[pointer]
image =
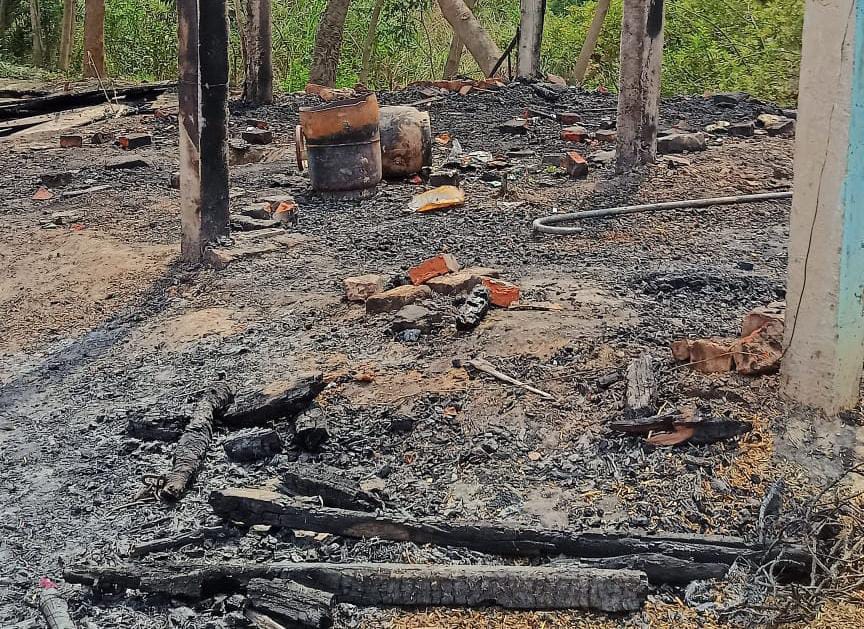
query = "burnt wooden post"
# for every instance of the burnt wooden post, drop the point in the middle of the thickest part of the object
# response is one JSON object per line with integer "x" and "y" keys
{"x": 258, "y": 82}
{"x": 533, "y": 13}
{"x": 639, "y": 87}
{"x": 203, "y": 95}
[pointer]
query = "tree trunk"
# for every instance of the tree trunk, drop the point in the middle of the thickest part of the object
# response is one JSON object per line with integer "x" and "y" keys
{"x": 258, "y": 53}
{"x": 4, "y": 10}
{"x": 94, "y": 38}
{"x": 533, "y": 13}
{"x": 328, "y": 43}
{"x": 369, "y": 44}
{"x": 591, "y": 39}
{"x": 67, "y": 34}
{"x": 454, "y": 57}
{"x": 481, "y": 46}
{"x": 38, "y": 52}
{"x": 639, "y": 88}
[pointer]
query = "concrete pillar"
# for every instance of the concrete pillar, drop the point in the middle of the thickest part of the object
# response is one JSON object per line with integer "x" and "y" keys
{"x": 203, "y": 96}
{"x": 533, "y": 13}
{"x": 639, "y": 86}
{"x": 825, "y": 297}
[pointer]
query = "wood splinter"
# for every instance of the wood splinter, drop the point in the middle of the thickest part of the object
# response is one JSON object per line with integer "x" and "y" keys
{"x": 484, "y": 366}
{"x": 193, "y": 445}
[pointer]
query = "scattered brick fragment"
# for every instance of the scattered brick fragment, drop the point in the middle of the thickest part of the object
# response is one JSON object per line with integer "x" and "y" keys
{"x": 362, "y": 287}
{"x": 501, "y": 292}
{"x": 395, "y": 298}
{"x": 71, "y": 141}
{"x": 134, "y": 141}
{"x": 433, "y": 267}
{"x": 575, "y": 165}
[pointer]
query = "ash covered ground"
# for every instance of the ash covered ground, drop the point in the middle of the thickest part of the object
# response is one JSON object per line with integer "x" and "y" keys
{"x": 101, "y": 323}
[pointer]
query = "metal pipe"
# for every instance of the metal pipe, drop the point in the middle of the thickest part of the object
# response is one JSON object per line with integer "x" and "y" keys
{"x": 545, "y": 224}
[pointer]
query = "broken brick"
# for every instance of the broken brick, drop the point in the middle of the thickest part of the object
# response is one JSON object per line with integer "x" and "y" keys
{"x": 362, "y": 287}
{"x": 575, "y": 165}
{"x": 711, "y": 356}
{"x": 607, "y": 136}
{"x": 42, "y": 194}
{"x": 461, "y": 281}
{"x": 433, "y": 267}
{"x": 569, "y": 118}
{"x": 741, "y": 129}
{"x": 258, "y": 136}
{"x": 396, "y": 298}
{"x": 760, "y": 352}
{"x": 465, "y": 90}
{"x": 681, "y": 350}
{"x": 763, "y": 315}
{"x": 71, "y": 141}
{"x": 134, "y": 141}
{"x": 501, "y": 292}
{"x": 102, "y": 137}
{"x": 574, "y": 134}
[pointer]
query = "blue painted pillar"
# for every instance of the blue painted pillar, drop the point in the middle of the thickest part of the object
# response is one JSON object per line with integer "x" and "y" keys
{"x": 825, "y": 298}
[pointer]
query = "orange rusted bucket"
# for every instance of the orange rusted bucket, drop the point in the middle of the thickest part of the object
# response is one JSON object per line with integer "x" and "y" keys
{"x": 342, "y": 143}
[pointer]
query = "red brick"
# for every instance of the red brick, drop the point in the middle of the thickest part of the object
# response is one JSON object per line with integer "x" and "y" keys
{"x": 569, "y": 118}
{"x": 711, "y": 356}
{"x": 575, "y": 165}
{"x": 433, "y": 267}
{"x": 501, "y": 293}
{"x": 763, "y": 315}
{"x": 761, "y": 351}
{"x": 134, "y": 141}
{"x": 681, "y": 350}
{"x": 574, "y": 134}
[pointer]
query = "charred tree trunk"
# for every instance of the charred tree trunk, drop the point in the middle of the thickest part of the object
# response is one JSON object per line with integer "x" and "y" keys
{"x": 454, "y": 56}
{"x": 94, "y": 38}
{"x": 258, "y": 33}
{"x": 590, "y": 43}
{"x": 67, "y": 34}
{"x": 481, "y": 46}
{"x": 533, "y": 13}
{"x": 639, "y": 89}
{"x": 328, "y": 43}
{"x": 37, "y": 55}
{"x": 369, "y": 44}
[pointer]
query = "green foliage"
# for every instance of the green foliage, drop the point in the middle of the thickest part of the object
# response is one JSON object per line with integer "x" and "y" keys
{"x": 748, "y": 45}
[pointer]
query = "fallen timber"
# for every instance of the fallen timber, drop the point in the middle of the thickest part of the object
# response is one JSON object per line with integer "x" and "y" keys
{"x": 280, "y": 400}
{"x": 513, "y": 587}
{"x": 255, "y": 506}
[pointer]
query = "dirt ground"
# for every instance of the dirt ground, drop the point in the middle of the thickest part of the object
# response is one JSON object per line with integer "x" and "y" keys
{"x": 101, "y": 322}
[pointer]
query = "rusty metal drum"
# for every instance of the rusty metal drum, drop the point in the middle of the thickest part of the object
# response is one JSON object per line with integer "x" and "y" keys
{"x": 342, "y": 143}
{"x": 406, "y": 140}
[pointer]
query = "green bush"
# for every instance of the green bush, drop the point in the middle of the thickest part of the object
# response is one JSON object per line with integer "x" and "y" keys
{"x": 748, "y": 45}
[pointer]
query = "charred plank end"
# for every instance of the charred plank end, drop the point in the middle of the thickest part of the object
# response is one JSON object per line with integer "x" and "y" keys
{"x": 192, "y": 447}
{"x": 328, "y": 483}
{"x": 641, "y": 387}
{"x": 292, "y": 603}
{"x": 279, "y": 400}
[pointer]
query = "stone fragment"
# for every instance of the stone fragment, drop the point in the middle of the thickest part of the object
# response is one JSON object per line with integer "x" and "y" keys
{"x": 71, "y": 141}
{"x": 254, "y": 135}
{"x": 501, "y": 292}
{"x": 607, "y": 136}
{"x": 711, "y": 355}
{"x": 603, "y": 158}
{"x": 575, "y": 165}
{"x": 252, "y": 444}
{"x": 362, "y": 287}
{"x": 444, "y": 177}
{"x": 551, "y": 159}
{"x": 719, "y": 127}
{"x": 396, "y": 298}
{"x": 777, "y": 125}
{"x": 415, "y": 317}
{"x": 126, "y": 163}
{"x": 516, "y": 126}
{"x": 681, "y": 142}
{"x": 261, "y": 210}
{"x": 433, "y": 267}
{"x": 102, "y": 137}
{"x": 471, "y": 312}
{"x": 57, "y": 179}
{"x": 741, "y": 129}
{"x": 574, "y": 133}
{"x": 134, "y": 141}
{"x": 243, "y": 223}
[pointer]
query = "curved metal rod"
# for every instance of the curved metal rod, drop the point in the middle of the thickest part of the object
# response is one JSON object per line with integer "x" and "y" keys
{"x": 545, "y": 224}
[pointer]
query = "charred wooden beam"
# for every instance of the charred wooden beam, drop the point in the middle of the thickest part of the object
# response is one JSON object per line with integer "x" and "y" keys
{"x": 280, "y": 400}
{"x": 659, "y": 568}
{"x": 641, "y": 387}
{"x": 328, "y": 483}
{"x": 255, "y": 506}
{"x": 192, "y": 447}
{"x": 513, "y": 587}
{"x": 178, "y": 541}
{"x": 203, "y": 114}
{"x": 290, "y": 602}
{"x": 54, "y": 103}
{"x": 311, "y": 429}
{"x": 644, "y": 425}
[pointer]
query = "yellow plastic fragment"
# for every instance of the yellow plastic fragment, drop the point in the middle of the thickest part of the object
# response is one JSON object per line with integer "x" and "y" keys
{"x": 437, "y": 199}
